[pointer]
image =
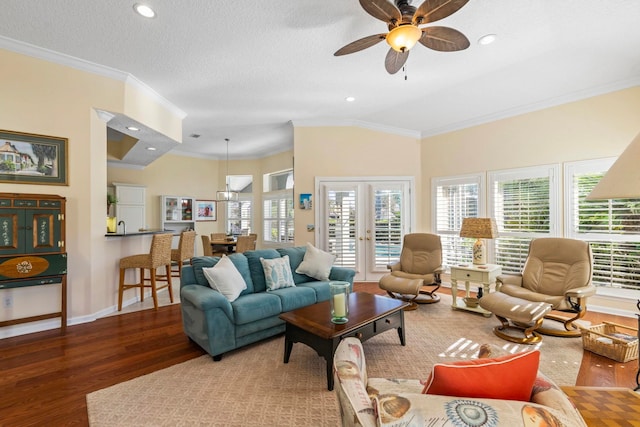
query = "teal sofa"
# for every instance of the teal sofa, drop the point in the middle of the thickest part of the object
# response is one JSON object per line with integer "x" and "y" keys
{"x": 219, "y": 326}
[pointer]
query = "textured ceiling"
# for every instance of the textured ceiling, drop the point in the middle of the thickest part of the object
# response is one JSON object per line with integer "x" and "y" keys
{"x": 246, "y": 69}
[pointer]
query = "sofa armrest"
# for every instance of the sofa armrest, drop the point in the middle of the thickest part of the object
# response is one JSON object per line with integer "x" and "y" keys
{"x": 423, "y": 409}
{"x": 342, "y": 274}
{"x": 205, "y": 299}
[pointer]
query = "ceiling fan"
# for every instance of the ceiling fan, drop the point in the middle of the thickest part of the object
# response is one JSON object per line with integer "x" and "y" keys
{"x": 404, "y": 23}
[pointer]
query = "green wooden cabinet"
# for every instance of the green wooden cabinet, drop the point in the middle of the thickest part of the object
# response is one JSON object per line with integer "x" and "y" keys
{"x": 32, "y": 246}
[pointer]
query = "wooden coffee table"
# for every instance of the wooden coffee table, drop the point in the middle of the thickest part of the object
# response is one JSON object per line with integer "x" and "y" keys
{"x": 369, "y": 315}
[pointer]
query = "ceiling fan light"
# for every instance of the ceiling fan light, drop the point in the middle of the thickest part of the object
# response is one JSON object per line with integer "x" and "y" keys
{"x": 403, "y": 37}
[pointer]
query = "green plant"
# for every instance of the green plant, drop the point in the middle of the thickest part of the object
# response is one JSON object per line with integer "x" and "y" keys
{"x": 111, "y": 200}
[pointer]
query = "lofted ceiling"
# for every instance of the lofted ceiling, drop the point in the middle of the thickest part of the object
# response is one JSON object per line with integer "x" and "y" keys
{"x": 247, "y": 69}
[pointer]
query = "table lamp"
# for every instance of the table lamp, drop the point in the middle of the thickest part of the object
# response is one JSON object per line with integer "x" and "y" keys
{"x": 479, "y": 228}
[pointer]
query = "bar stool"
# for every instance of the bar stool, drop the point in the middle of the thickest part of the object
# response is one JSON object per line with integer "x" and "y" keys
{"x": 185, "y": 251}
{"x": 158, "y": 256}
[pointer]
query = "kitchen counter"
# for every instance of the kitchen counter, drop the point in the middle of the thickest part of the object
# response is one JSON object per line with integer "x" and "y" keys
{"x": 141, "y": 233}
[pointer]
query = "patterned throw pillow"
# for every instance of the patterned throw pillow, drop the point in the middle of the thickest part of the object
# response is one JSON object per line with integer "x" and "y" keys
{"x": 277, "y": 273}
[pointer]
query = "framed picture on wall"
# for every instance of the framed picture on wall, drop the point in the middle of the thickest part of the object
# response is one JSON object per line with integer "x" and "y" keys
{"x": 306, "y": 201}
{"x": 206, "y": 210}
{"x": 27, "y": 158}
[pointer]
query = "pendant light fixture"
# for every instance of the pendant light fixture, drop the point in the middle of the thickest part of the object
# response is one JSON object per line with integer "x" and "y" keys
{"x": 227, "y": 195}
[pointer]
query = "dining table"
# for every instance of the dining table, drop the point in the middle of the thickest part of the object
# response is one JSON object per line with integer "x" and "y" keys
{"x": 228, "y": 246}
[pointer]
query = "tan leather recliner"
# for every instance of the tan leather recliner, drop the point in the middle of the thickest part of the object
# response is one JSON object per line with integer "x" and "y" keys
{"x": 420, "y": 265}
{"x": 558, "y": 272}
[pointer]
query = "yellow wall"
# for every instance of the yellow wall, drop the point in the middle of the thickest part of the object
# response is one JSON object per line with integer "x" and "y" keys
{"x": 593, "y": 128}
{"x": 50, "y": 99}
{"x": 200, "y": 178}
{"x": 45, "y": 98}
{"x": 349, "y": 152}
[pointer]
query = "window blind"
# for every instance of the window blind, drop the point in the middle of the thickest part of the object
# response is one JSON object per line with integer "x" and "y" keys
{"x": 456, "y": 198}
{"x": 524, "y": 205}
{"x": 612, "y": 227}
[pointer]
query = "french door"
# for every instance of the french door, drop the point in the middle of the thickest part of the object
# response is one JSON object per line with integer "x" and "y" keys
{"x": 363, "y": 222}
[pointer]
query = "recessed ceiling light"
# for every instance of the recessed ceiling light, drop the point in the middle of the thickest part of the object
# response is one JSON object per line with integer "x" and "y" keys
{"x": 349, "y": 99}
{"x": 488, "y": 39}
{"x": 133, "y": 128}
{"x": 151, "y": 148}
{"x": 144, "y": 10}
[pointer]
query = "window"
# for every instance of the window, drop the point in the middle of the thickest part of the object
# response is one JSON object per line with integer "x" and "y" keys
{"x": 278, "y": 218}
{"x": 456, "y": 198}
{"x": 278, "y": 208}
{"x": 524, "y": 203}
{"x": 611, "y": 226}
{"x": 239, "y": 213}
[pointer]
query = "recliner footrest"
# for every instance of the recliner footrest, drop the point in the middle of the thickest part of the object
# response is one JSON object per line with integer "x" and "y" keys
{"x": 525, "y": 315}
{"x": 513, "y": 308}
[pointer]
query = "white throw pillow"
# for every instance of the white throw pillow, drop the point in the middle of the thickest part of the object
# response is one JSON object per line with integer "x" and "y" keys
{"x": 277, "y": 273}
{"x": 316, "y": 263}
{"x": 225, "y": 278}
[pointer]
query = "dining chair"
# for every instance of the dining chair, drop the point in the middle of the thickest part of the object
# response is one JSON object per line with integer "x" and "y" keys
{"x": 217, "y": 248}
{"x": 206, "y": 245}
{"x": 246, "y": 243}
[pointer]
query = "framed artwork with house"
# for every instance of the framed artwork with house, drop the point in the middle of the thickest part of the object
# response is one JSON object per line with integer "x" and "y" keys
{"x": 33, "y": 159}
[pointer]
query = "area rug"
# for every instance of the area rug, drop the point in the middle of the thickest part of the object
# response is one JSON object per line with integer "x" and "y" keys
{"x": 253, "y": 387}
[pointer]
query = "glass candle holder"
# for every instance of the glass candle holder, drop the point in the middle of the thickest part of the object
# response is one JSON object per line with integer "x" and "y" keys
{"x": 339, "y": 302}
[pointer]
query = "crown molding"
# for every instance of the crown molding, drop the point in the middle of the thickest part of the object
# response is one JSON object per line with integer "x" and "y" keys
{"x": 536, "y": 106}
{"x": 89, "y": 67}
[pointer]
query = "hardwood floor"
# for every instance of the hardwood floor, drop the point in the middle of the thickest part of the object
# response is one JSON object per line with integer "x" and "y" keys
{"x": 45, "y": 376}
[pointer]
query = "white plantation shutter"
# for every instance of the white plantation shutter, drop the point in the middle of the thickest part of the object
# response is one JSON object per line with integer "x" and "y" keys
{"x": 278, "y": 217}
{"x": 341, "y": 227}
{"x": 387, "y": 224}
{"x": 239, "y": 215}
{"x": 524, "y": 203}
{"x": 611, "y": 226}
{"x": 456, "y": 198}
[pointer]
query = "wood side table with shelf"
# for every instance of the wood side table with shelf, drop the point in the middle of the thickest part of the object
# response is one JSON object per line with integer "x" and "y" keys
{"x": 483, "y": 274}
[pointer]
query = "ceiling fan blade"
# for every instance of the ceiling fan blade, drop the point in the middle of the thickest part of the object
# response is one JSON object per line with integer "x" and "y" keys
{"x": 360, "y": 44}
{"x": 382, "y": 10}
{"x": 395, "y": 60}
{"x": 444, "y": 39}
{"x": 434, "y": 10}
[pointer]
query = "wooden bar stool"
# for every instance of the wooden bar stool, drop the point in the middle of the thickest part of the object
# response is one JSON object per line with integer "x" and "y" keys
{"x": 184, "y": 252}
{"x": 158, "y": 256}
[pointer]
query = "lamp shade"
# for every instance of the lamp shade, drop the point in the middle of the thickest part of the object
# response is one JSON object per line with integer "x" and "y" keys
{"x": 404, "y": 37}
{"x": 622, "y": 180}
{"x": 479, "y": 228}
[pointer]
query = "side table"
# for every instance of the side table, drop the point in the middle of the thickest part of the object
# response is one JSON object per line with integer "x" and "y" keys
{"x": 484, "y": 274}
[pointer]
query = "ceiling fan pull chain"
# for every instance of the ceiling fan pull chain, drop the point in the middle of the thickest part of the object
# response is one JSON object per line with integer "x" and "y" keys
{"x": 404, "y": 69}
